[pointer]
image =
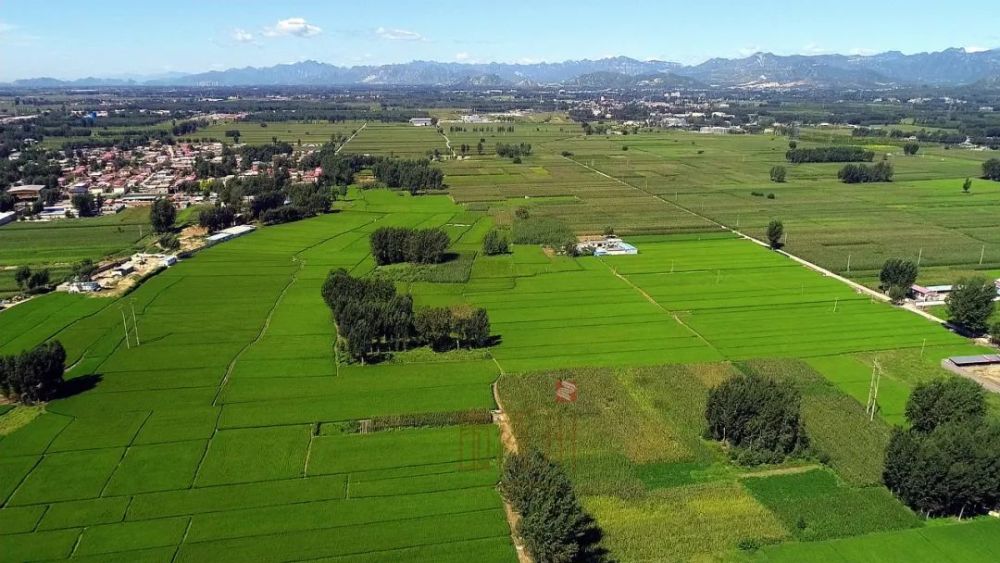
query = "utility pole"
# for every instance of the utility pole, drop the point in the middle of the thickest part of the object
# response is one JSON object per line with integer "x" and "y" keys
{"x": 873, "y": 389}
{"x": 125, "y": 325}
{"x": 982, "y": 254}
{"x": 835, "y": 303}
{"x": 848, "y": 263}
{"x": 920, "y": 256}
{"x": 135, "y": 325}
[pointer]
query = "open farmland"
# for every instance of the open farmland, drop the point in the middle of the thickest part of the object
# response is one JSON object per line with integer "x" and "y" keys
{"x": 231, "y": 431}
{"x": 660, "y": 182}
{"x": 224, "y": 430}
{"x": 294, "y": 132}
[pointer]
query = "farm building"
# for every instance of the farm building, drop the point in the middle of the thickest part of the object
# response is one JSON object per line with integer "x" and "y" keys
{"x": 29, "y": 192}
{"x": 230, "y": 233}
{"x": 84, "y": 287}
{"x": 929, "y": 293}
{"x": 608, "y": 245}
{"x": 983, "y": 369}
{"x": 421, "y": 121}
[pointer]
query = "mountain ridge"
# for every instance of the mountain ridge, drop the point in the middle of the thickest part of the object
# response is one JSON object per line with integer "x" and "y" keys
{"x": 950, "y": 67}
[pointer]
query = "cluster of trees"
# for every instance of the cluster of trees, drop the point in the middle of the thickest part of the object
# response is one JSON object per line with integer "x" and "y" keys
{"x": 553, "y": 524}
{"x": 758, "y": 417}
{"x": 946, "y": 463}
{"x": 372, "y": 319}
{"x": 188, "y": 127}
{"x": 217, "y": 218}
{"x": 411, "y": 175}
{"x": 32, "y": 281}
{"x": 496, "y": 242}
{"x": 910, "y": 149}
{"x": 991, "y": 169}
{"x": 392, "y": 245}
{"x": 511, "y": 150}
{"x": 86, "y": 206}
{"x": 34, "y": 375}
{"x": 896, "y": 278}
{"x": 935, "y": 136}
{"x": 970, "y": 303}
{"x": 778, "y": 174}
{"x": 162, "y": 215}
{"x": 830, "y": 154}
{"x": 863, "y": 173}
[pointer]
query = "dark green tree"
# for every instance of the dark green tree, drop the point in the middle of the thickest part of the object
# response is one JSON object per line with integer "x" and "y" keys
{"x": 991, "y": 169}
{"x": 967, "y": 185}
{"x": 778, "y": 174}
{"x": 944, "y": 401}
{"x": 910, "y": 149}
{"x": 897, "y": 272}
{"x": 970, "y": 303}
{"x": 162, "y": 215}
{"x": 775, "y": 230}
{"x": 84, "y": 205}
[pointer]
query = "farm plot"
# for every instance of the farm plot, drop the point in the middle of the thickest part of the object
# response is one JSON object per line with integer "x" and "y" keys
{"x": 923, "y": 212}
{"x": 402, "y": 140}
{"x": 224, "y": 429}
{"x": 632, "y": 443}
{"x": 294, "y": 132}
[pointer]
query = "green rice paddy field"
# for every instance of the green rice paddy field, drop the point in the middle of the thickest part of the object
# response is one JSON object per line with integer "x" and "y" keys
{"x": 227, "y": 433}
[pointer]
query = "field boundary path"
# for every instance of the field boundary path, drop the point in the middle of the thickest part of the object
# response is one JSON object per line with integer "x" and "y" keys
{"x": 351, "y": 138}
{"x": 509, "y": 442}
{"x": 859, "y": 288}
{"x": 447, "y": 142}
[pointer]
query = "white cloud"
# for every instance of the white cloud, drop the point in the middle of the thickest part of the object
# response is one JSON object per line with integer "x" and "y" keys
{"x": 749, "y": 50}
{"x": 242, "y": 36}
{"x": 813, "y": 49}
{"x": 862, "y": 51}
{"x": 975, "y": 49}
{"x": 6, "y": 27}
{"x": 463, "y": 56}
{"x": 393, "y": 34}
{"x": 297, "y": 27}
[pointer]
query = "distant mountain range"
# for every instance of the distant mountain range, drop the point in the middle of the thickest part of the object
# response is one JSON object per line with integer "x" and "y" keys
{"x": 951, "y": 67}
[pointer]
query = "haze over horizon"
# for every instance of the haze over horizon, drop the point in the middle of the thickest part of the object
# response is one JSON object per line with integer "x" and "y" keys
{"x": 76, "y": 41}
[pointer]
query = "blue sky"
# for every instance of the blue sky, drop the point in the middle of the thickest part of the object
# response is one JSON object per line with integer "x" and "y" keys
{"x": 68, "y": 39}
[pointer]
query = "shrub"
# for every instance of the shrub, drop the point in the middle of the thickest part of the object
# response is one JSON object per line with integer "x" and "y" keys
{"x": 860, "y": 173}
{"x": 991, "y": 169}
{"x": 775, "y": 230}
{"x": 778, "y": 174}
{"x": 495, "y": 242}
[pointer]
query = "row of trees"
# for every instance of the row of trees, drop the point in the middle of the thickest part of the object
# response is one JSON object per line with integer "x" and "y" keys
{"x": 217, "y": 218}
{"x": 32, "y": 281}
{"x": 863, "y": 173}
{"x": 392, "y": 245}
{"x": 411, "y": 175}
{"x": 553, "y": 524}
{"x": 758, "y": 417}
{"x": 34, "y": 375}
{"x": 830, "y": 154}
{"x": 372, "y": 319}
{"x": 511, "y": 150}
{"x": 946, "y": 464}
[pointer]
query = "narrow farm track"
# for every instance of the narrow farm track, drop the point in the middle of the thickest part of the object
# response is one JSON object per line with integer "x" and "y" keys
{"x": 351, "y": 138}
{"x": 859, "y": 288}
{"x": 509, "y": 442}
{"x": 447, "y": 143}
{"x": 672, "y": 314}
